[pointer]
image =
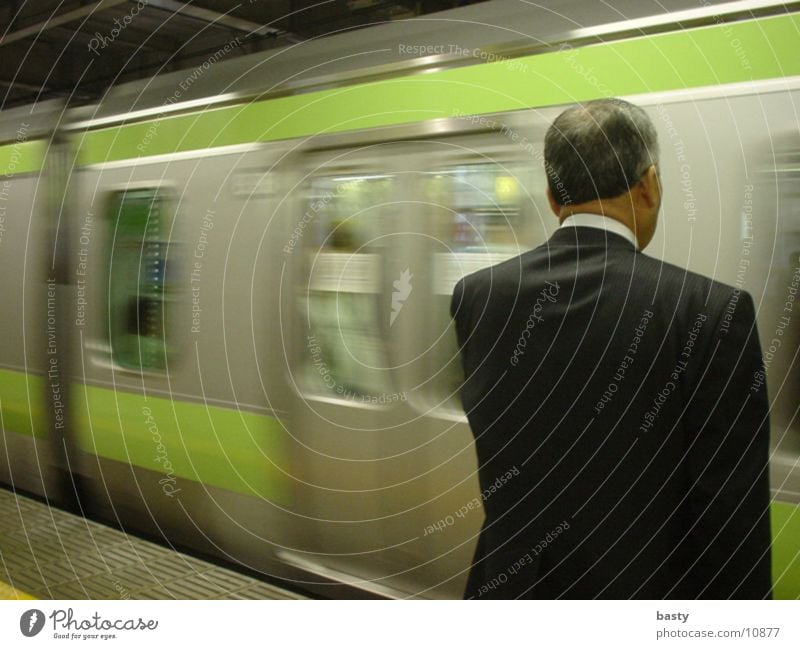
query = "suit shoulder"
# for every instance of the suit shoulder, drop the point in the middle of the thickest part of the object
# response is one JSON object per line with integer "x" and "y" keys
{"x": 509, "y": 269}
{"x": 687, "y": 280}
{"x": 697, "y": 292}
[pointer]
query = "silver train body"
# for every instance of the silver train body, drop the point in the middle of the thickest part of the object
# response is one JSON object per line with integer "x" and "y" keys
{"x": 301, "y": 416}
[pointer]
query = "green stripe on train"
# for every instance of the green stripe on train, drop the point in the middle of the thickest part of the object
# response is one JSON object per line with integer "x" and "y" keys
{"x": 758, "y": 49}
{"x": 785, "y": 550}
{"x": 238, "y": 451}
{"x": 21, "y": 157}
{"x": 21, "y": 403}
{"x": 235, "y": 450}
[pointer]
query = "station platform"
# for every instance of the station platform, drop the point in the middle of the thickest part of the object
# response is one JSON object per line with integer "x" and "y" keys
{"x": 46, "y": 553}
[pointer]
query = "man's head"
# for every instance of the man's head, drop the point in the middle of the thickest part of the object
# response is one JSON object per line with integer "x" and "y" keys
{"x": 601, "y": 157}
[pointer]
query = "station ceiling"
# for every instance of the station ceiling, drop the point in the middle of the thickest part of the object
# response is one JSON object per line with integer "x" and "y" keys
{"x": 77, "y": 49}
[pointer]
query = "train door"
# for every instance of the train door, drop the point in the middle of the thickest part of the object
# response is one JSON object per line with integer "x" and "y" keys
{"x": 347, "y": 406}
{"x": 387, "y": 496}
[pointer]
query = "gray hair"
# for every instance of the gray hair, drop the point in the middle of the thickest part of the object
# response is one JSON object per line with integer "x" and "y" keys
{"x": 599, "y": 149}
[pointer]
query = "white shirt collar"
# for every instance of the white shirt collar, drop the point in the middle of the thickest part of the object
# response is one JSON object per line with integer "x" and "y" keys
{"x": 602, "y": 223}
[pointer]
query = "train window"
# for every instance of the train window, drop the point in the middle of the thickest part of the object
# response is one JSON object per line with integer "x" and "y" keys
{"x": 345, "y": 355}
{"x": 478, "y": 223}
{"x": 138, "y": 279}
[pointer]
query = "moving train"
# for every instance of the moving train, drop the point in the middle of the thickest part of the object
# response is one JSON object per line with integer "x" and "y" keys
{"x": 225, "y": 308}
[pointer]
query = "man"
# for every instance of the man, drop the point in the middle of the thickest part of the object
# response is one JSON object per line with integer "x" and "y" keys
{"x": 617, "y": 401}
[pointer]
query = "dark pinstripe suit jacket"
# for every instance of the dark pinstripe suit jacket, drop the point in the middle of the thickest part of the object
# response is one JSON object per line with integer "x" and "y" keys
{"x": 620, "y": 418}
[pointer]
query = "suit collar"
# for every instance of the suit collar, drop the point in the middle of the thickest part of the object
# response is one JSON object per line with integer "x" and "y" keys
{"x": 589, "y": 237}
{"x": 583, "y": 219}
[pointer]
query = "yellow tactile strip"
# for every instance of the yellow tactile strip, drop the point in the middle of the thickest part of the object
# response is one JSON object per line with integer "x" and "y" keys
{"x": 7, "y": 592}
{"x": 47, "y": 553}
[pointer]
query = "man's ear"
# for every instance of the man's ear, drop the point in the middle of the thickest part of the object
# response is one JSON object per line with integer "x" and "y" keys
{"x": 650, "y": 187}
{"x": 554, "y": 207}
